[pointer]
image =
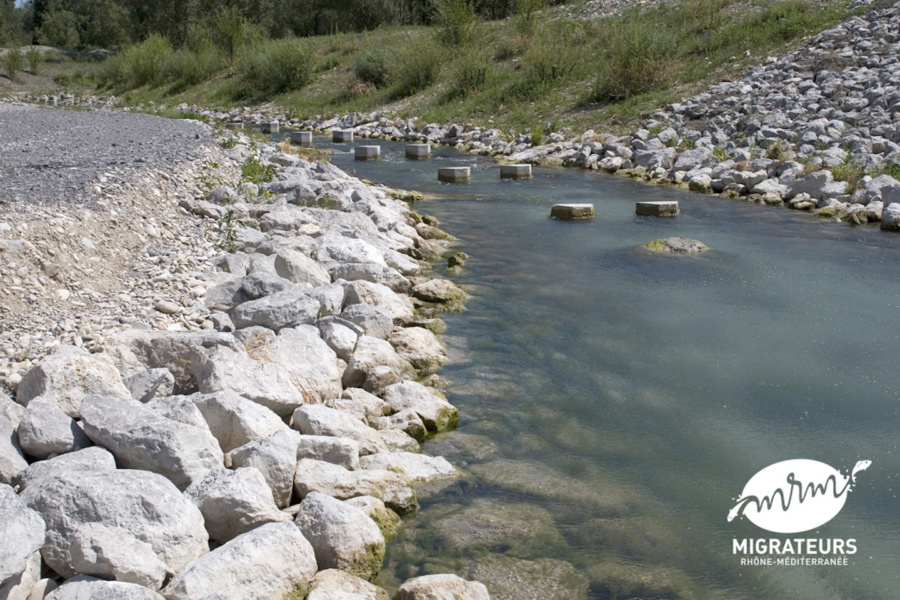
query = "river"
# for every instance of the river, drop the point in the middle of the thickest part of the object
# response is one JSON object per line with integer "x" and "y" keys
{"x": 614, "y": 402}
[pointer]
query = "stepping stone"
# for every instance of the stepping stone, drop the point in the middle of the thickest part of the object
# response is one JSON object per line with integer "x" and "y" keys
{"x": 269, "y": 126}
{"x": 455, "y": 174}
{"x": 418, "y": 151}
{"x": 302, "y": 138}
{"x": 367, "y": 153}
{"x": 515, "y": 172}
{"x": 572, "y": 212}
{"x": 656, "y": 209}
{"x": 342, "y": 137}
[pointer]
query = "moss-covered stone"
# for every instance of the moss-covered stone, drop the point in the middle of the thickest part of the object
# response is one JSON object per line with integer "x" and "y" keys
{"x": 676, "y": 245}
{"x": 642, "y": 581}
{"x": 508, "y": 577}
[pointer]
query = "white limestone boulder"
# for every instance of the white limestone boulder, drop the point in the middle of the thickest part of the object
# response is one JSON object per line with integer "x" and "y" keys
{"x": 12, "y": 461}
{"x": 142, "y": 439}
{"x": 264, "y": 564}
{"x": 318, "y": 419}
{"x": 145, "y": 505}
{"x": 234, "y": 502}
{"x": 334, "y": 584}
{"x": 429, "y": 404}
{"x": 395, "y": 489}
{"x": 371, "y": 354}
{"x": 442, "y": 587}
{"x": 235, "y": 420}
{"x": 94, "y": 458}
{"x": 68, "y": 375}
{"x": 420, "y": 468}
{"x": 110, "y": 553}
{"x": 282, "y": 309}
{"x": 276, "y": 458}
{"x": 85, "y": 587}
{"x": 45, "y": 430}
{"x": 420, "y": 347}
{"x": 21, "y": 534}
{"x": 342, "y": 536}
{"x": 366, "y": 292}
{"x": 336, "y": 450}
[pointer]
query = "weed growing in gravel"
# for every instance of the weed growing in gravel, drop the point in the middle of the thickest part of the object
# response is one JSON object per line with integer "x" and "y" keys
{"x": 253, "y": 171}
{"x": 225, "y": 234}
{"x": 13, "y": 61}
{"x": 851, "y": 172}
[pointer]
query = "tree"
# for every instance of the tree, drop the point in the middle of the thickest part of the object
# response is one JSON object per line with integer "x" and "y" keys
{"x": 58, "y": 28}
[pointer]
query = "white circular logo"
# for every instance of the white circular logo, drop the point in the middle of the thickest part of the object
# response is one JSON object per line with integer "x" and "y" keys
{"x": 795, "y": 495}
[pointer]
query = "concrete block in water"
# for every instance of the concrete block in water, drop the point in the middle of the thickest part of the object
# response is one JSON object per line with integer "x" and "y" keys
{"x": 418, "y": 151}
{"x": 302, "y": 138}
{"x": 572, "y": 212}
{"x": 367, "y": 153}
{"x": 454, "y": 174}
{"x": 235, "y": 126}
{"x": 656, "y": 209}
{"x": 342, "y": 136}
{"x": 269, "y": 126}
{"x": 515, "y": 172}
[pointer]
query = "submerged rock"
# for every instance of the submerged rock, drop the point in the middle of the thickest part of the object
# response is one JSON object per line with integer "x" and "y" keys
{"x": 441, "y": 587}
{"x": 676, "y": 245}
{"x": 515, "y": 579}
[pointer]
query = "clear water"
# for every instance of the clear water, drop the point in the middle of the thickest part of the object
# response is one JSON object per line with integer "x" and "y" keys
{"x": 619, "y": 400}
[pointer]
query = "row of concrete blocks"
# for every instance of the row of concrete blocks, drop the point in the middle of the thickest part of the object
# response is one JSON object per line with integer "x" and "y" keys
{"x": 585, "y": 212}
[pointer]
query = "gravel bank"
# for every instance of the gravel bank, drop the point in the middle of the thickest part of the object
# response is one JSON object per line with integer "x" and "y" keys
{"x": 52, "y": 156}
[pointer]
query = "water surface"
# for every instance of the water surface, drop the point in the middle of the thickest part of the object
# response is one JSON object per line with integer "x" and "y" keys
{"x": 614, "y": 402}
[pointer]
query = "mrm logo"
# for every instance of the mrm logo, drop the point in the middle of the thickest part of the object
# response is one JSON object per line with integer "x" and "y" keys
{"x": 795, "y": 495}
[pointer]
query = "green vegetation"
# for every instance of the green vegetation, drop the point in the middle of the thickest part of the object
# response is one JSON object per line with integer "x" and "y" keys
{"x": 13, "y": 61}
{"x": 256, "y": 172}
{"x": 449, "y": 64}
{"x": 33, "y": 58}
{"x": 851, "y": 172}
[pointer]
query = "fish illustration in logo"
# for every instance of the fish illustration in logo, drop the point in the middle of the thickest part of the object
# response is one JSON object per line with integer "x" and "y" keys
{"x": 795, "y": 495}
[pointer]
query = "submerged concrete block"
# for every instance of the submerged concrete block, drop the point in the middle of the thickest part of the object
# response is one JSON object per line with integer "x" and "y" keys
{"x": 515, "y": 172}
{"x": 342, "y": 136}
{"x": 367, "y": 153}
{"x": 667, "y": 208}
{"x": 572, "y": 212}
{"x": 302, "y": 138}
{"x": 269, "y": 126}
{"x": 418, "y": 151}
{"x": 455, "y": 174}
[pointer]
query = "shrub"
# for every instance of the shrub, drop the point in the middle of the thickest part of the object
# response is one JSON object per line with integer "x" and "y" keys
{"x": 256, "y": 172}
{"x": 415, "y": 68}
{"x": 470, "y": 72}
{"x": 639, "y": 57}
{"x": 548, "y": 59}
{"x": 13, "y": 61}
{"x": 373, "y": 67}
{"x": 276, "y": 66}
{"x": 776, "y": 150}
{"x": 526, "y": 13}
{"x": 141, "y": 64}
{"x": 190, "y": 67}
{"x": 456, "y": 21}
{"x": 33, "y": 58}
{"x": 851, "y": 172}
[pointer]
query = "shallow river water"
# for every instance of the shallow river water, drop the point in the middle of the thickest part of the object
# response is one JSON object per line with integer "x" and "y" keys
{"x": 615, "y": 402}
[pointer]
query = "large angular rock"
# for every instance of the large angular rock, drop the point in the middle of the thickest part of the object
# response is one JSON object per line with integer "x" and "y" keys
{"x": 141, "y": 439}
{"x": 276, "y": 458}
{"x": 94, "y": 458}
{"x": 13, "y": 411}
{"x": 226, "y": 369}
{"x": 179, "y": 408}
{"x": 68, "y": 375}
{"x": 342, "y": 536}
{"x": 389, "y": 522}
{"x": 420, "y": 347}
{"x": 442, "y": 292}
{"x": 441, "y": 587}
{"x": 149, "y": 384}
{"x": 282, "y": 309}
{"x": 652, "y": 159}
{"x": 890, "y": 216}
{"x": 361, "y": 404}
{"x": 340, "y": 335}
{"x": 385, "y": 276}
{"x": 334, "y": 584}
{"x": 85, "y": 587}
{"x": 371, "y": 354}
{"x": 264, "y": 564}
{"x": 366, "y": 292}
{"x": 295, "y": 266}
{"x": 336, "y": 249}
{"x": 814, "y": 184}
{"x": 46, "y": 430}
{"x": 145, "y": 505}
{"x": 435, "y": 411}
{"x": 108, "y": 553}
{"x": 330, "y": 297}
{"x": 691, "y": 159}
{"x": 318, "y": 419}
{"x": 406, "y": 420}
{"x": 310, "y": 364}
{"x": 12, "y": 461}
{"x": 420, "y": 468}
{"x": 337, "y": 450}
{"x": 21, "y": 534}
{"x": 373, "y": 320}
{"x": 235, "y": 421}
{"x": 395, "y": 489}
{"x": 257, "y": 285}
{"x": 234, "y": 502}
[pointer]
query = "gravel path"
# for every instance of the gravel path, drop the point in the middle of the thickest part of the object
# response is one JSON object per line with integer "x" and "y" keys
{"x": 51, "y": 156}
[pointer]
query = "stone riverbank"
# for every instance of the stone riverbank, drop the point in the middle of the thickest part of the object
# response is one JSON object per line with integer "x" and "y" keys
{"x": 256, "y": 432}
